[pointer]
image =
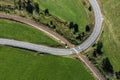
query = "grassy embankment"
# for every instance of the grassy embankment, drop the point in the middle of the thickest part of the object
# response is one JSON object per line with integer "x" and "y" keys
{"x": 111, "y": 35}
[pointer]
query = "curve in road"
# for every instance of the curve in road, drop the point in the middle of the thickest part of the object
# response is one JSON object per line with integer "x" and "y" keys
{"x": 97, "y": 27}
{"x": 86, "y": 44}
{"x": 76, "y": 50}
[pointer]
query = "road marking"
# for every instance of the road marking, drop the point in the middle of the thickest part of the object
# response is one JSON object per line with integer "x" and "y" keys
{"x": 75, "y": 50}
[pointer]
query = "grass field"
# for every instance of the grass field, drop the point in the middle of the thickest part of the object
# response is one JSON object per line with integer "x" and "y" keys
{"x": 17, "y": 64}
{"x": 68, "y": 10}
{"x": 111, "y": 35}
{"x": 18, "y": 31}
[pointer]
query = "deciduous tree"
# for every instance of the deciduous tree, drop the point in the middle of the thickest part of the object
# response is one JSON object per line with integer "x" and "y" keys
{"x": 106, "y": 65}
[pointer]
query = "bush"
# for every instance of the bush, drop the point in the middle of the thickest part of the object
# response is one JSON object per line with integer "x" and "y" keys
{"x": 106, "y": 65}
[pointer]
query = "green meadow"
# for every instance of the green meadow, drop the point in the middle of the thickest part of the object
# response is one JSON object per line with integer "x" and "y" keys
{"x": 17, "y": 64}
{"x": 111, "y": 35}
{"x": 67, "y": 10}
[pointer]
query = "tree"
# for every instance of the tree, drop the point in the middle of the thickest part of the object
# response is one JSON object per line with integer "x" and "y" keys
{"x": 19, "y": 4}
{"x": 90, "y": 8}
{"x": 29, "y": 7}
{"x": 37, "y": 9}
{"x": 46, "y": 11}
{"x": 51, "y": 23}
{"x": 87, "y": 29}
{"x": 94, "y": 53}
{"x": 79, "y": 37}
{"x": 83, "y": 34}
{"x": 106, "y": 65}
{"x": 76, "y": 28}
{"x": 54, "y": 26}
{"x": 71, "y": 25}
{"x": 99, "y": 47}
{"x": 117, "y": 75}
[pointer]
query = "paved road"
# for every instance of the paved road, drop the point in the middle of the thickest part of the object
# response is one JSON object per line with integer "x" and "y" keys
{"x": 86, "y": 44}
{"x": 97, "y": 28}
{"x": 55, "y": 51}
{"x": 35, "y": 47}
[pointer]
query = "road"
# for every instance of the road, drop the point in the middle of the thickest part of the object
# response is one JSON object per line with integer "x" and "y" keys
{"x": 35, "y": 47}
{"x": 86, "y": 44}
{"x": 97, "y": 28}
{"x": 40, "y": 48}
